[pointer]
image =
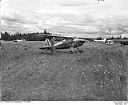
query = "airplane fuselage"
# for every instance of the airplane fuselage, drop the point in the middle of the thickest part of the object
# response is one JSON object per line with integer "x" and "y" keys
{"x": 69, "y": 44}
{"x": 103, "y": 41}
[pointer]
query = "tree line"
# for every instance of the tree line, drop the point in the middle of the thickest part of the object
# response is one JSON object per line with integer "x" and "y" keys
{"x": 18, "y": 36}
{"x": 110, "y": 38}
{"x": 32, "y": 36}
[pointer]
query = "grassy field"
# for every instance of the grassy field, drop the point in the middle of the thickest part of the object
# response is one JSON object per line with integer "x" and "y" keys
{"x": 29, "y": 74}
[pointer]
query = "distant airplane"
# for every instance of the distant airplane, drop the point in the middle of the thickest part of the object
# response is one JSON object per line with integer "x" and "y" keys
{"x": 19, "y": 40}
{"x": 103, "y": 40}
{"x": 124, "y": 42}
{"x": 66, "y": 44}
{"x": 109, "y": 42}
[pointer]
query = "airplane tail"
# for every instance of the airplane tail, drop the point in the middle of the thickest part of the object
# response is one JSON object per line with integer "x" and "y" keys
{"x": 105, "y": 40}
{"x": 47, "y": 41}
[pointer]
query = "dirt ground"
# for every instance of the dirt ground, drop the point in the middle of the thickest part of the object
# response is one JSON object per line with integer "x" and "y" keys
{"x": 29, "y": 74}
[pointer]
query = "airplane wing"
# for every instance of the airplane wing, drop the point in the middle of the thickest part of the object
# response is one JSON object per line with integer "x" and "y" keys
{"x": 43, "y": 37}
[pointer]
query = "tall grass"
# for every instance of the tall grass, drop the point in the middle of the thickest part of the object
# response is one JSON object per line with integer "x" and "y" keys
{"x": 100, "y": 73}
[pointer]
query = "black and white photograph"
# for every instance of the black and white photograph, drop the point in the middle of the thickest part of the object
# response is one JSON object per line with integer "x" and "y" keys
{"x": 64, "y": 50}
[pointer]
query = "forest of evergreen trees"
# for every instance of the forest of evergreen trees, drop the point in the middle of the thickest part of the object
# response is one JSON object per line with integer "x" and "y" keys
{"x": 18, "y": 36}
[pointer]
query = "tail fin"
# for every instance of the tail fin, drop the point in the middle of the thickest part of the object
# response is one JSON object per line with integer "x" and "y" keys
{"x": 47, "y": 41}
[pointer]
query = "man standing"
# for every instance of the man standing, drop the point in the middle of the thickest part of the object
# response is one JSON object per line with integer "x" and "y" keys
{"x": 52, "y": 44}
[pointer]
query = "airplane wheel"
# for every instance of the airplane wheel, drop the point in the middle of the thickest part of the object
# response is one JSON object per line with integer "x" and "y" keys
{"x": 71, "y": 52}
{"x": 122, "y": 45}
{"x": 81, "y": 51}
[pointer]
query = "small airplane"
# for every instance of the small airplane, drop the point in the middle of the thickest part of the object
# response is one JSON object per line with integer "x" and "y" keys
{"x": 103, "y": 40}
{"x": 66, "y": 44}
{"x": 19, "y": 40}
{"x": 109, "y": 42}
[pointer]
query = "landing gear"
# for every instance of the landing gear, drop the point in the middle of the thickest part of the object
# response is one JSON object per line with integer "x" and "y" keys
{"x": 71, "y": 52}
{"x": 80, "y": 51}
{"x": 47, "y": 52}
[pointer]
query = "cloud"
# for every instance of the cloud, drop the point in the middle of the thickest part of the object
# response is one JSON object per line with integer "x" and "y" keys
{"x": 13, "y": 21}
{"x": 66, "y": 16}
{"x": 77, "y": 2}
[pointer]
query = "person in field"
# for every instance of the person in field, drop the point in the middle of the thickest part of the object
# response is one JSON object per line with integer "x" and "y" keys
{"x": 52, "y": 41}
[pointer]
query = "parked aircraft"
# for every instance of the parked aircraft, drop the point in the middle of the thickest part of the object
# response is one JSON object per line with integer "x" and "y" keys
{"x": 106, "y": 41}
{"x": 66, "y": 44}
{"x": 124, "y": 43}
{"x": 103, "y": 40}
{"x": 109, "y": 42}
{"x": 19, "y": 40}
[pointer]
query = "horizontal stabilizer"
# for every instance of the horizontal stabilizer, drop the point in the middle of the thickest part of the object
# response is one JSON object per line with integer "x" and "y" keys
{"x": 45, "y": 48}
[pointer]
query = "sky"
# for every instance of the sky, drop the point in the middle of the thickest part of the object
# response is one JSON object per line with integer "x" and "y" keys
{"x": 64, "y": 16}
